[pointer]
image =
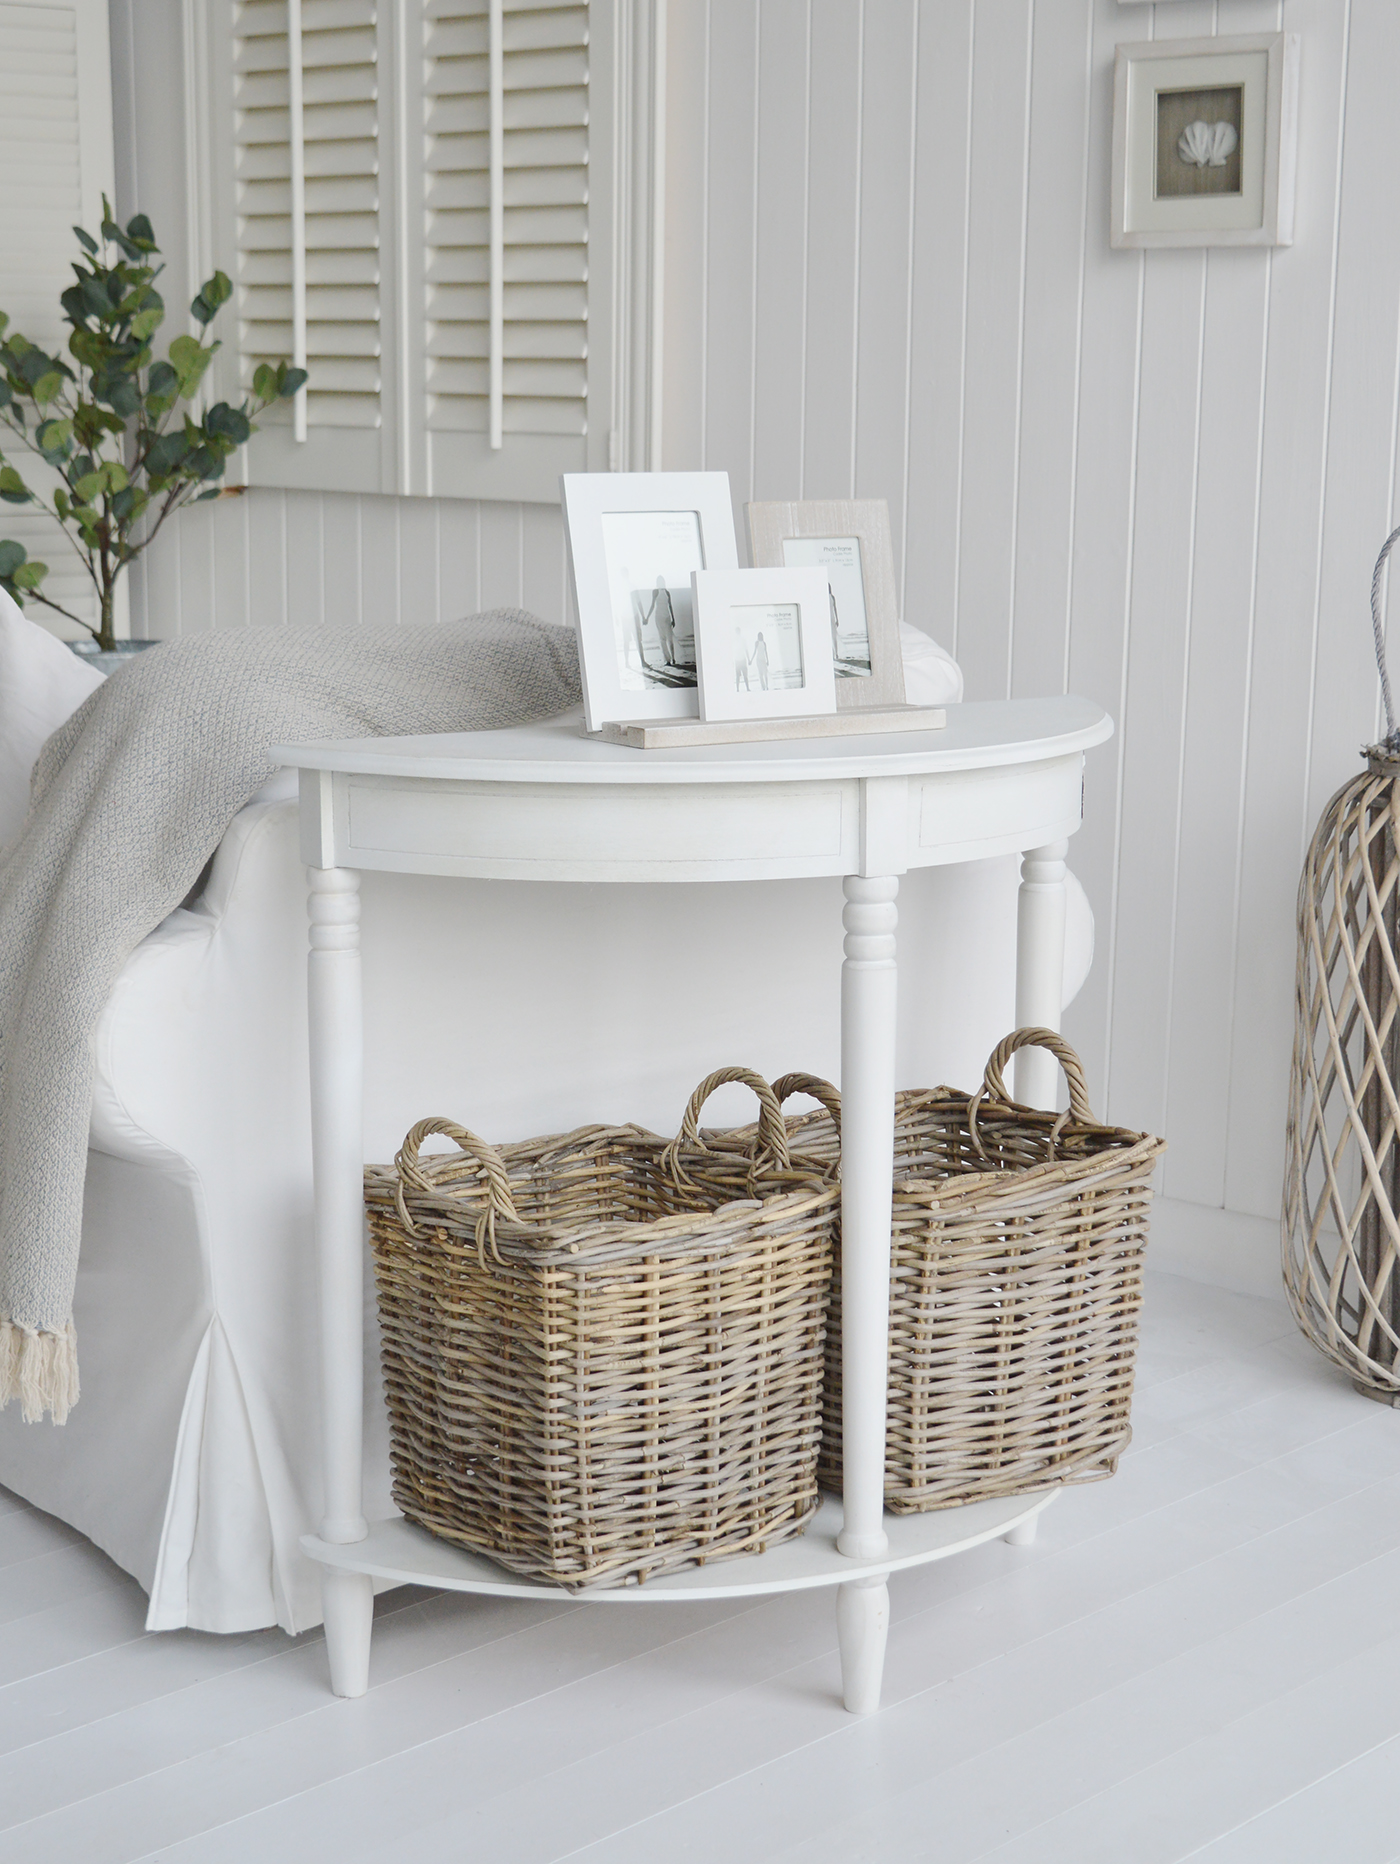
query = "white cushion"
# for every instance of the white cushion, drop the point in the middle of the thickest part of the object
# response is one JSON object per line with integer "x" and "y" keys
{"x": 931, "y": 676}
{"x": 42, "y": 683}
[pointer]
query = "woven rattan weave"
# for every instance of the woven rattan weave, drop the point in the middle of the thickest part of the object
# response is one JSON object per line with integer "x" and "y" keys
{"x": 1015, "y": 1288}
{"x": 1341, "y": 1200}
{"x": 603, "y": 1353}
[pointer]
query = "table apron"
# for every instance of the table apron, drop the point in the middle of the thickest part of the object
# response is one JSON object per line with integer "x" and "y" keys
{"x": 686, "y": 832}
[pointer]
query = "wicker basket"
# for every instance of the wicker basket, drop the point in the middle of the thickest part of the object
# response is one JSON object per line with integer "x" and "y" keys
{"x": 603, "y": 1353}
{"x": 1015, "y": 1288}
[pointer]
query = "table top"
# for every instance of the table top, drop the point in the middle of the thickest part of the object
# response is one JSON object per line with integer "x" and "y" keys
{"x": 978, "y": 735}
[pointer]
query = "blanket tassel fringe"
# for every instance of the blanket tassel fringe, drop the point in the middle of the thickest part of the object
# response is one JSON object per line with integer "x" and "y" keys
{"x": 40, "y": 1369}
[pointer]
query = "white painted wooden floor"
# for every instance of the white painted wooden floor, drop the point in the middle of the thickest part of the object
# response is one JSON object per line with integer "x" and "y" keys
{"x": 1198, "y": 1660}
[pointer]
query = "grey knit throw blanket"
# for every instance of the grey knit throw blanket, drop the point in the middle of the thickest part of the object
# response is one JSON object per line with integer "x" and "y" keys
{"x": 129, "y": 800}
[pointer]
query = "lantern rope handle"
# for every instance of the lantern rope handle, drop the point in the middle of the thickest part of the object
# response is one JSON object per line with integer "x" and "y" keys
{"x": 1392, "y": 737}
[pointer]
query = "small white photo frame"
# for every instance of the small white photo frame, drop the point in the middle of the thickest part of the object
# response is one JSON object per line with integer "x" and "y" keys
{"x": 764, "y": 641}
{"x": 1205, "y": 141}
{"x": 635, "y": 539}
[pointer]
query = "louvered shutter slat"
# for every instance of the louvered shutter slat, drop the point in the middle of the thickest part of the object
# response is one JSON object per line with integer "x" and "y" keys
{"x": 340, "y": 104}
{"x": 545, "y": 116}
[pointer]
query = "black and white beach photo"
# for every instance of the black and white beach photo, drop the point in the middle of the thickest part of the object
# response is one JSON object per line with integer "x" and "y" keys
{"x": 767, "y": 647}
{"x": 850, "y": 630}
{"x": 650, "y": 555}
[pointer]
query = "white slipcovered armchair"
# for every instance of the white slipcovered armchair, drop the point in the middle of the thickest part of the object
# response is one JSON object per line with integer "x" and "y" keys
{"x": 513, "y": 1008}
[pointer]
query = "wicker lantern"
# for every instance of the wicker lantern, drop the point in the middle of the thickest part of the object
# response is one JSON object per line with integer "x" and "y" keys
{"x": 1341, "y": 1209}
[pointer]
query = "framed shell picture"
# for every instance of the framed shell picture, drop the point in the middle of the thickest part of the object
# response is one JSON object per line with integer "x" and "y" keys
{"x": 1204, "y": 141}
{"x": 850, "y": 540}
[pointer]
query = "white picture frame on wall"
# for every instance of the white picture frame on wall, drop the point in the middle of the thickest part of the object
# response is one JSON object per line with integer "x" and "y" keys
{"x": 764, "y": 641}
{"x": 1204, "y": 141}
{"x": 635, "y": 539}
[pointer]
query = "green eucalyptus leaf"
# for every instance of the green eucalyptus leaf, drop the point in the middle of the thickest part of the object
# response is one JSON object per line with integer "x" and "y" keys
{"x": 227, "y": 424}
{"x": 125, "y": 397}
{"x": 89, "y": 486}
{"x": 54, "y": 436}
{"x": 145, "y": 323}
{"x": 12, "y": 554}
{"x": 86, "y": 241}
{"x": 189, "y": 359}
{"x": 290, "y": 383}
{"x": 165, "y": 455}
{"x": 141, "y": 233}
{"x": 115, "y": 476}
{"x": 129, "y": 503}
{"x": 29, "y": 575}
{"x": 12, "y": 488}
{"x": 48, "y": 387}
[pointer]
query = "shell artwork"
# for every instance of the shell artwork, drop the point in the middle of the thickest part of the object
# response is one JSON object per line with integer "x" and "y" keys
{"x": 1207, "y": 144}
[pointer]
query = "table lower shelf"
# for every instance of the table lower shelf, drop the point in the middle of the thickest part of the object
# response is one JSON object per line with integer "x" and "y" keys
{"x": 400, "y": 1551}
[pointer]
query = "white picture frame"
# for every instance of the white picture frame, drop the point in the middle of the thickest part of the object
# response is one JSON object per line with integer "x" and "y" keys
{"x": 1205, "y": 136}
{"x": 764, "y": 641}
{"x": 634, "y": 540}
{"x": 851, "y": 539}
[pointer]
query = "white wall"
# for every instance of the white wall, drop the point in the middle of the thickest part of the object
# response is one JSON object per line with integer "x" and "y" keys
{"x": 1159, "y": 479}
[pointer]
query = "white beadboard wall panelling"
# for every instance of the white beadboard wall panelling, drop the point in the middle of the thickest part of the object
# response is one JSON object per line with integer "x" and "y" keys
{"x": 340, "y": 557}
{"x": 938, "y": 319}
{"x": 307, "y": 559}
{"x": 1101, "y": 568}
{"x": 1361, "y": 439}
{"x": 687, "y": 203}
{"x": 784, "y": 230}
{"x": 996, "y": 258}
{"x": 1298, "y": 501}
{"x": 889, "y": 118}
{"x": 1218, "y": 653}
{"x": 1152, "y": 717}
{"x": 834, "y": 244}
{"x": 1056, "y": 232}
{"x": 730, "y": 236}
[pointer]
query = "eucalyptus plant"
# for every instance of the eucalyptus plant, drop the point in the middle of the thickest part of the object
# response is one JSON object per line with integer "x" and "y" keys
{"x": 115, "y": 423}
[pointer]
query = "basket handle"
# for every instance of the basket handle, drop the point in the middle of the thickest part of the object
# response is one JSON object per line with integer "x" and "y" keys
{"x": 499, "y": 1201}
{"x": 814, "y": 1088}
{"x": 994, "y": 1085}
{"x": 772, "y": 1133}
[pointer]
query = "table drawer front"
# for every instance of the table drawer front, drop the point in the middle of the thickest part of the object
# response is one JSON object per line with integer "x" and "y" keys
{"x": 700, "y": 831}
{"x": 965, "y": 815}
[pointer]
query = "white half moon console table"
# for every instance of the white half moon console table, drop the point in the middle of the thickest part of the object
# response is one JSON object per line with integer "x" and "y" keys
{"x": 542, "y": 802}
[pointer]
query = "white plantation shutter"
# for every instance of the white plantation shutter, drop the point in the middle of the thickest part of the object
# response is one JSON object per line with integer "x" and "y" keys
{"x": 397, "y": 237}
{"x": 339, "y": 236}
{"x": 55, "y": 165}
{"x": 544, "y": 414}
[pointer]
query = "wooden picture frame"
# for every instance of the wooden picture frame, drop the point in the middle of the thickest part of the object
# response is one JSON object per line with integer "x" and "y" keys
{"x": 1205, "y": 136}
{"x": 634, "y": 540}
{"x": 764, "y": 643}
{"x": 778, "y": 532}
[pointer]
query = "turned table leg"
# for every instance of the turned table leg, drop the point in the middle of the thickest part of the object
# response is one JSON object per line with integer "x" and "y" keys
{"x": 1040, "y": 968}
{"x": 337, "y": 1150}
{"x": 868, "y": 982}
